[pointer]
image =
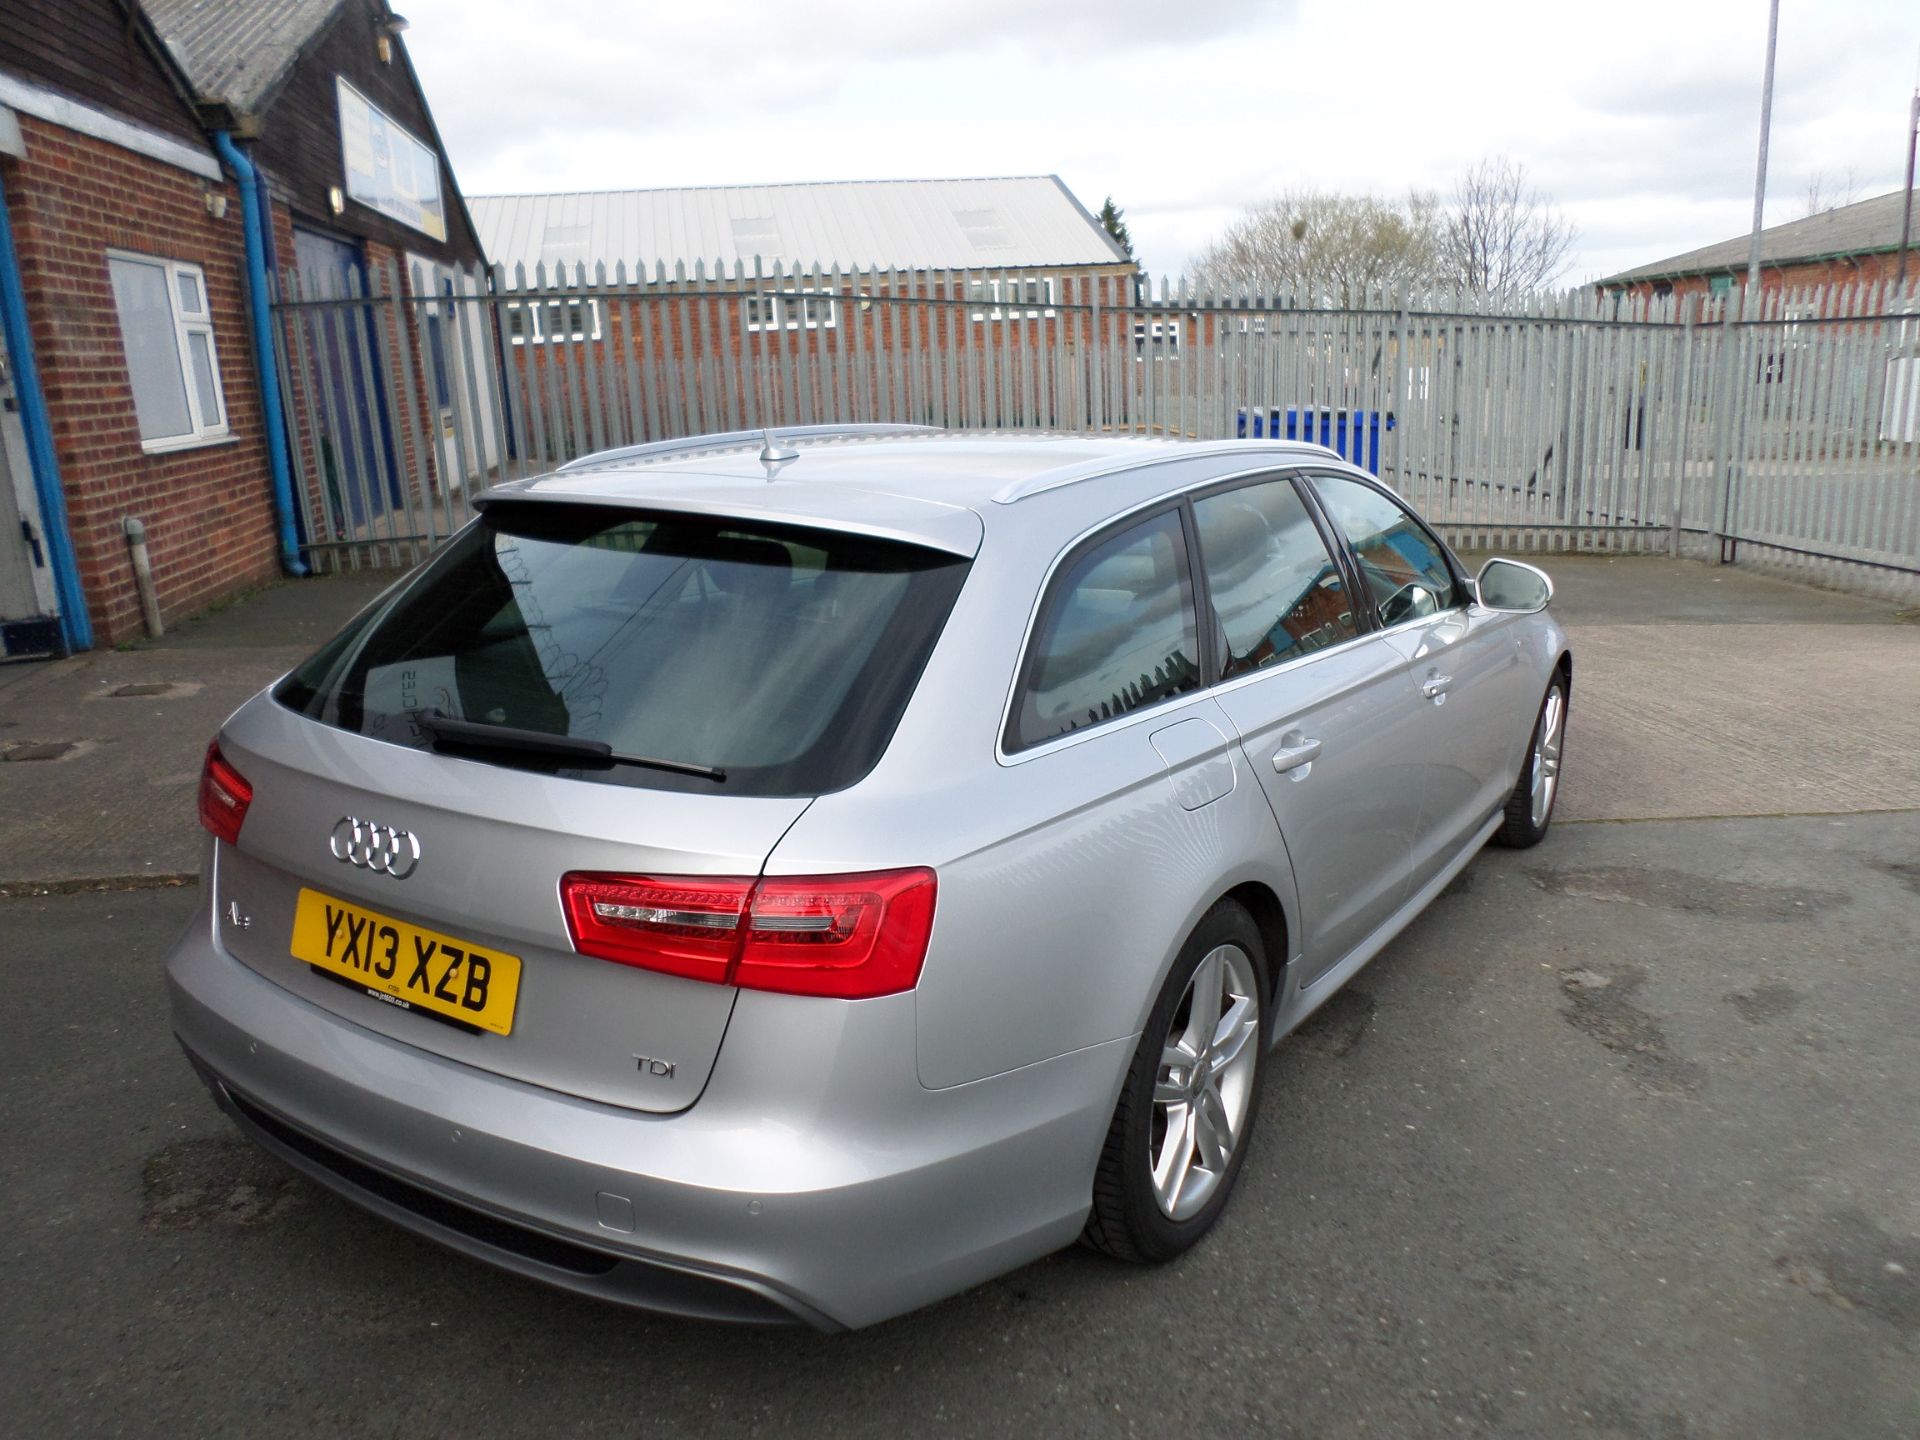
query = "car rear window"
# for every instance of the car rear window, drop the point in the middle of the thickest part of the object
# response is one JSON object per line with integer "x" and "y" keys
{"x": 1115, "y": 634}
{"x": 780, "y": 656}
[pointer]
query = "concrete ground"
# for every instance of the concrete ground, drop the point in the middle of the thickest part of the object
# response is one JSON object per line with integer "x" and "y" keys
{"x": 1617, "y": 1140}
{"x": 1708, "y": 691}
{"x": 119, "y": 803}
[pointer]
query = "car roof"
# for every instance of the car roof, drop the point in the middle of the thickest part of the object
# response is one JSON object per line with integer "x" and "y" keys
{"x": 932, "y": 487}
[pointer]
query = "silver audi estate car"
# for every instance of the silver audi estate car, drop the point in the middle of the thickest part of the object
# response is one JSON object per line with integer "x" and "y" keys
{"x": 799, "y": 878}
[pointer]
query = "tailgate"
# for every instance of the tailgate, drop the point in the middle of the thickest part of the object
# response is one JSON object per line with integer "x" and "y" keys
{"x": 476, "y": 916}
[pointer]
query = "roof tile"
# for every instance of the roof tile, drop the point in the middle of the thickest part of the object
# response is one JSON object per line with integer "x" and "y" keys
{"x": 1858, "y": 229}
{"x": 234, "y": 52}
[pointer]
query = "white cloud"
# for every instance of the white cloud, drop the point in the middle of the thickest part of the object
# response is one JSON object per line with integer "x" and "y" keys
{"x": 1640, "y": 116}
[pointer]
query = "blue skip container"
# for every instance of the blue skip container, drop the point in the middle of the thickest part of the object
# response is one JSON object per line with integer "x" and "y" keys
{"x": 1345, "y": 431}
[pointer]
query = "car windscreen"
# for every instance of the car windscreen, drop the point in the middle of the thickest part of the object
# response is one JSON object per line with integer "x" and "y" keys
{"x": 779, "y": 656}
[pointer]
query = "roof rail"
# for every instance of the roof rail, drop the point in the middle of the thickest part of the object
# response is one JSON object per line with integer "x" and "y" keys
{"x": 691, "y": 444}
{"x": 1015, "y": 491}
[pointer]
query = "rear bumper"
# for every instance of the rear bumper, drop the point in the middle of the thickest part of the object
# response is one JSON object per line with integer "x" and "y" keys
{"x": 648, "y": 1283}
{"x": 815, "y": 1181}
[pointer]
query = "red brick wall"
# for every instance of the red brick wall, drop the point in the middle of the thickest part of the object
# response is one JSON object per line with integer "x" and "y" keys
{"x": 667, "y": 325}
{"x": 726, "y": 322}
{"x": 1860, "y": 269}
{"x": 208, "y": 510}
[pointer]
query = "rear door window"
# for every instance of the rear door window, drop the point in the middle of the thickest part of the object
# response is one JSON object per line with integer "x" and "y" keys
{"x": 1275, "y": 587}
{"x": 1116, "y": 634}
{"x": 779, "y": 656}
{"x": 1403, "y": 563}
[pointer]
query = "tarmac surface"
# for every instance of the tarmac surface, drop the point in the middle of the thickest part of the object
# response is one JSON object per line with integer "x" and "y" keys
{"x": 1617, "y": 1140}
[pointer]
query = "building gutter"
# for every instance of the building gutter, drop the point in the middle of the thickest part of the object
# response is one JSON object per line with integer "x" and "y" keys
{"x": 255, "y": 219}
{"x": 1738, "y": 267}
{"x": 76, "y": 629}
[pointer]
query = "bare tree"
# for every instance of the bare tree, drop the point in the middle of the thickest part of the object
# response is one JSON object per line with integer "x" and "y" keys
{"x": 1830, "y": 192}
{"x": 1503, "y": 234}
{"x": 1322, "y": 246}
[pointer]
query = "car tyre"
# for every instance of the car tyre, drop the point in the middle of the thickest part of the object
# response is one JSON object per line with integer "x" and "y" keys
{"x": 1182, "y": 1125}
{"x": 1530, "y": 807}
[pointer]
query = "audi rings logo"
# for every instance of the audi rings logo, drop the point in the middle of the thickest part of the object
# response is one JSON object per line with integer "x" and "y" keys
{"x": 379, "y": 848}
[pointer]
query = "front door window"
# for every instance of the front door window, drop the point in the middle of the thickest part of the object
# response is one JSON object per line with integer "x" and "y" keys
{"x": 1404, "y": 566}
{"x": 1275, "y": 587}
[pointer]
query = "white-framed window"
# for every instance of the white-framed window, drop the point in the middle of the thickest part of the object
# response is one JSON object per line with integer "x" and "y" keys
{"x": 173, "y": 367}
{"x": 1156, "y": 339}
{"x": 1014, "y": 297}
{"x": 548, "y": 322}
{"x": 806, "y": 308}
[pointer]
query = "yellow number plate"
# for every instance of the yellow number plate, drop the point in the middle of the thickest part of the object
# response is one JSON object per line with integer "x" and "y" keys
{"x": 422, "y": 969}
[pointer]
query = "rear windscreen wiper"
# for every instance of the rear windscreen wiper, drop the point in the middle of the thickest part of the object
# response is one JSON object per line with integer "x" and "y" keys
{"x": 593, "y": 754}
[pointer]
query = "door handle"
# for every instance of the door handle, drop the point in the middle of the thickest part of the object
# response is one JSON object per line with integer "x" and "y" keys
{"x": 1436, "y": 686}
{"x": 1292, "y": 757}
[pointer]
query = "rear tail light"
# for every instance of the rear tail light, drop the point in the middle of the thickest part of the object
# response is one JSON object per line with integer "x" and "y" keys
{"x": 847, "y": 936}
{"x": 224, "y": 796}
{"x": 851, "y": 936}
{"x": 682, "y": 925}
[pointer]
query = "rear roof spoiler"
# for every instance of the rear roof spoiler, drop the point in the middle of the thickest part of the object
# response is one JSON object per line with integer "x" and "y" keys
{"x": 733, "y": 439}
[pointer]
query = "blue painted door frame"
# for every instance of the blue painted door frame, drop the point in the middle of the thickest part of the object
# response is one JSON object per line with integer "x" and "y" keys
{"x": 76, "y": 629}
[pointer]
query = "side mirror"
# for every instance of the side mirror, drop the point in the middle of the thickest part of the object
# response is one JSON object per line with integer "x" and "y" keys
{"x": 1509, "y": 585}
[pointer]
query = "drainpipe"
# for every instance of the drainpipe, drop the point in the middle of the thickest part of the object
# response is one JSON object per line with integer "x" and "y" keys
{"x": 76, "y": 629}
{"x": 255, "y": 220}
{"x": 271, "y": 255}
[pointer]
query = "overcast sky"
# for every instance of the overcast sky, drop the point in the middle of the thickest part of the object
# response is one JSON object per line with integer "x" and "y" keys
{"x": 1640, "y": 117}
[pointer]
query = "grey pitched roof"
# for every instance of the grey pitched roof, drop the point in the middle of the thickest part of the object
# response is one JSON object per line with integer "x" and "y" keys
{"x": 1858, "y": 229}
{"x": 1002, "y": 223}
{"x": 234, "y": 52}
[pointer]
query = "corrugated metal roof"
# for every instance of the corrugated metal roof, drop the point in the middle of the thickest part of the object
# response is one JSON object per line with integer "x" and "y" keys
{"x": 235, "y": 51}
{"x": 1010, "y": 222}
{"x": 1857, "y": 229}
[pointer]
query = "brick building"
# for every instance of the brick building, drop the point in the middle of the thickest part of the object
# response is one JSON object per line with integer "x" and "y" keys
{"x": 142, "y": 148}
{"x": 1845, "y": 246}
{"x": 770, "y": 268}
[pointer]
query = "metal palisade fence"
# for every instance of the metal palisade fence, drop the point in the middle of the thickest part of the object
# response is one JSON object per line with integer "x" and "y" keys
{"x": 1781, "y": 431}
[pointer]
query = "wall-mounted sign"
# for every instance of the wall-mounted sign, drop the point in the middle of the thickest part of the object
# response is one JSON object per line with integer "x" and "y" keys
{"x": 387, "y": 169}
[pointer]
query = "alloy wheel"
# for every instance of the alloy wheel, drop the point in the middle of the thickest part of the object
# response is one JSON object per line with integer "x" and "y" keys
{"x": 1204, "y": 1084}
{"x": 1546, "y": 754}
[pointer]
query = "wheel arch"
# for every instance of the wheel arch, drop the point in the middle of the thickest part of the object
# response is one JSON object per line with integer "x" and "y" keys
{"x": 1265, "y": 894}
{"x": 1270, "y": 919}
